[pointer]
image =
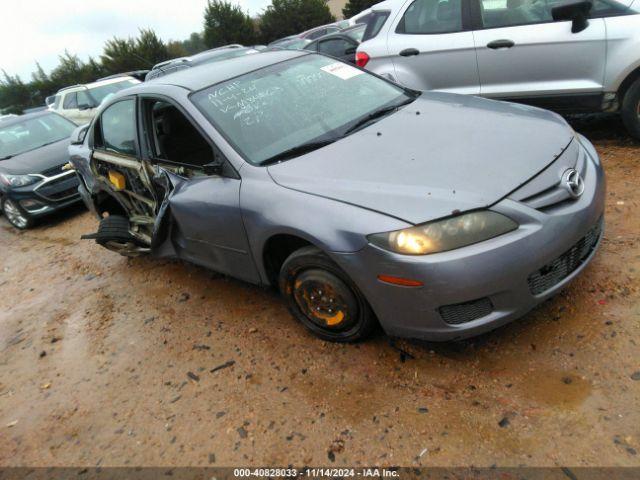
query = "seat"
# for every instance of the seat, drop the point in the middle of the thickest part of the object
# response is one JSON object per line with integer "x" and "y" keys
{"x": 179, "y": 141}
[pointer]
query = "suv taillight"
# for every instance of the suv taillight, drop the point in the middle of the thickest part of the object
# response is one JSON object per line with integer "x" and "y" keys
{"x": 362, "y": 59}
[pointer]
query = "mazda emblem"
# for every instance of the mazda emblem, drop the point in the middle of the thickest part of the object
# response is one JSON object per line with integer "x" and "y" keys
{"x": 573, "y": 183}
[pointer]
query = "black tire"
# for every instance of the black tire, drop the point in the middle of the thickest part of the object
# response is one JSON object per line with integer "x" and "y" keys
{"x": 10, "y": 209}
{"x": 340, "y": 313}
{"x": 113, "y": 234}
{"x": 631, "y": 109}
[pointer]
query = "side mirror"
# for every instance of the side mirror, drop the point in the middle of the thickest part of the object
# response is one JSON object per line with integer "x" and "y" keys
{"x": 85, "y": 106}
{"x": 79, "y": 134}
{"x": 213, "y": 168}
{"x": 575, "y": 10}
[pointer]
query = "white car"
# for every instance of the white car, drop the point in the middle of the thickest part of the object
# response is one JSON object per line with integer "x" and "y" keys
{"x": 79, "y": 103}
{"x": 574, "y": 56}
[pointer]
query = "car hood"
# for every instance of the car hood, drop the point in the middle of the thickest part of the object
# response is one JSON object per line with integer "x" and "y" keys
{"x": 37, "y": 160}
{"x": 441, "y": 154}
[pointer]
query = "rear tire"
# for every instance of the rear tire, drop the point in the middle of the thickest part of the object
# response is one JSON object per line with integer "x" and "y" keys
{"x": 15, "y": 215}
{"x": 323, "y": 298}
{"x": 631, "y": 109}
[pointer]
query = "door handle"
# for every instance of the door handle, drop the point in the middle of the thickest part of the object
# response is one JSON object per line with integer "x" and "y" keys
{"x": 496, "y": 44}
{"x": 409, "y": 52}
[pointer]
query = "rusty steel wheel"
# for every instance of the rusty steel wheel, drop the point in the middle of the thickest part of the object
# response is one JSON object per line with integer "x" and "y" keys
{"x": 323, "y": 298}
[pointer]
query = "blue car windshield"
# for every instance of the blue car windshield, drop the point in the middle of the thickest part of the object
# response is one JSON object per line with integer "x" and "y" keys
{"x": 283, "y": 106}
{"x": 20, "y": 137}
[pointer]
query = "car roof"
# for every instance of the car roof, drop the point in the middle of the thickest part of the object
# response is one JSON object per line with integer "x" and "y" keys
{"x": 204, "y": 75}
{"x": 97, "y": 83}
{"x": 8, "y": 121}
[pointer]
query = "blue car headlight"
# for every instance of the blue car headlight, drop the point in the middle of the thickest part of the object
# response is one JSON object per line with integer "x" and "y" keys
{"x": 18, "y": 180}
{"x": 447, "y": 234}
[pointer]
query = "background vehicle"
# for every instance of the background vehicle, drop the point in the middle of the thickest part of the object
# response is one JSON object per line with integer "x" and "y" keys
{"x": 310, "y": 34}
{"x": 209, "y": 56}
{"x": 294, "y": 43}
{"x": 33, "y": 150}
{"x": 361, "y": 17}
{"x": 371, "y": 193}
{"x": 7, "y": 116}
{"x": 79, "y": 102}
{"x": 570, "y": 57}
{"x": 341, "y": 45}
{"x": 137, "y": 74}
{"x": 49, "y": 101}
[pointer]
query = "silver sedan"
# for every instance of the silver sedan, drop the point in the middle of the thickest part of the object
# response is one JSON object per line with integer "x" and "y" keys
{"x": 433, "y": 215}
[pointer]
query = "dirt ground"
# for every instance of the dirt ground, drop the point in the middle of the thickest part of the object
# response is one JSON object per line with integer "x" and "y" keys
{"x": 111, "y": 361}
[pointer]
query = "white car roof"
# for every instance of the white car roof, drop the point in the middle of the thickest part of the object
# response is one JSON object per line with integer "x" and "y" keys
{"x": 99, "y": 83}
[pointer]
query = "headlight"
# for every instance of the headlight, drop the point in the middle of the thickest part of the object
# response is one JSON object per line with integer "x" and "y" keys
{"x": 447, "y": 234}
{"x": 18, "y": 180}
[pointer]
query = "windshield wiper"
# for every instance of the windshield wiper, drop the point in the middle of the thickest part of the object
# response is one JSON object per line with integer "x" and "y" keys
{"x": 297, "y": 151}
{"x": 379, "y": 113}
{"x": 7, "y": 157}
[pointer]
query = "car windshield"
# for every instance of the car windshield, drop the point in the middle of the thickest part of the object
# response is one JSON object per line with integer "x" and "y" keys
{"x": 289, "y": 104}
{"x": 100, "y": 93}
{"x": 32, "y": 133}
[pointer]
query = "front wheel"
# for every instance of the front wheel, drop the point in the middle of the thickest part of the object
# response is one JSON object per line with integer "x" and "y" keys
{"x": 631, "y": 109}
{"x": 323, "y": 298}
{"x": 15, "y": 215}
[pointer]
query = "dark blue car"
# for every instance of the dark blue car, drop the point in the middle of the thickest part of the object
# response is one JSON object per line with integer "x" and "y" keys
{"x": 33, "y": 182}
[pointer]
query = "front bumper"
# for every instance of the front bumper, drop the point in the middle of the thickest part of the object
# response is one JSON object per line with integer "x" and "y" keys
{"x": 48, "y": 196}
{"x": 496, "y": 273}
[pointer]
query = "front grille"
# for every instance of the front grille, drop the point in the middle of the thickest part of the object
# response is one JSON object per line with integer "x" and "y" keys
{"x": 466, "y": 312}
{"x": 51, "y": 172}
{"x": 553, "y": 273}
{"x": 58, "y": 189}
{"x": 64, "y": 194}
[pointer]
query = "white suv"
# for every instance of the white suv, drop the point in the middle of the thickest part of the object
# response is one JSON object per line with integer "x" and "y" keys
{"x": 80, "y": 102}
{"x": 574, "y": 56}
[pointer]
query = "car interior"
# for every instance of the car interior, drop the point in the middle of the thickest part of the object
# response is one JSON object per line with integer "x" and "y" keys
{"x": 175, "y": 139}
{"x": 500, "y": 13}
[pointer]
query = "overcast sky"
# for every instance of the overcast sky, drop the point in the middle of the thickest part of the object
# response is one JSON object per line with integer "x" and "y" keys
{"x": 40, "y": 30}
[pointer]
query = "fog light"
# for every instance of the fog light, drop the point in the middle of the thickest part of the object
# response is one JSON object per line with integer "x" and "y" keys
{"x": 31, "y": 205}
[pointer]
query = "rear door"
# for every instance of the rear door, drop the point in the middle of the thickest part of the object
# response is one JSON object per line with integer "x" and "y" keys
{"x": 432, "y": 47}
{"x": 523, "y": 53}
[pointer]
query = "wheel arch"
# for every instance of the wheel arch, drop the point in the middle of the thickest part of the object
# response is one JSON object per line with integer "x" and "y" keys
{"x": 277, "y": 248}
{"x": 627, "y": 82}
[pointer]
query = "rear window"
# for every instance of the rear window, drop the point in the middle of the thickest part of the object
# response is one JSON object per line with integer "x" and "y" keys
{"x": 375, "y": 24}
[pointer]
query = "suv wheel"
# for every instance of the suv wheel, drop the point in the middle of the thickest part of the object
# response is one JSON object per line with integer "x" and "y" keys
{"x": 631, "y": 109}
{"x": 323, "y": 298}
{"x": 15, "y": 215}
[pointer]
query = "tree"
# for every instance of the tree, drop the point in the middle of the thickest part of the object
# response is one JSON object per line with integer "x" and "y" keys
{"x": 194, "y": 44}
{"x": 150, "y": 48}
{"x": 288, "y": 17}
{"x": 15, "y": 95}
{"x": 353, "y": 7}
{"x": 225, "y": 23}
{"x": 123, "y": 55}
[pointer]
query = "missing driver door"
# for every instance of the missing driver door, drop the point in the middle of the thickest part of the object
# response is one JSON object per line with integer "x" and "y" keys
{"x": 203, "y": 208}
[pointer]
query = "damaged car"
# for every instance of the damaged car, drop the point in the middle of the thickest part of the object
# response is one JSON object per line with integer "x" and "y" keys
{"x": 433, "y": 215}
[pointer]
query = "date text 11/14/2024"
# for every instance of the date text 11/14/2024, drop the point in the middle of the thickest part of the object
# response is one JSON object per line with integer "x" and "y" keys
{"x": 316, "y": 472}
